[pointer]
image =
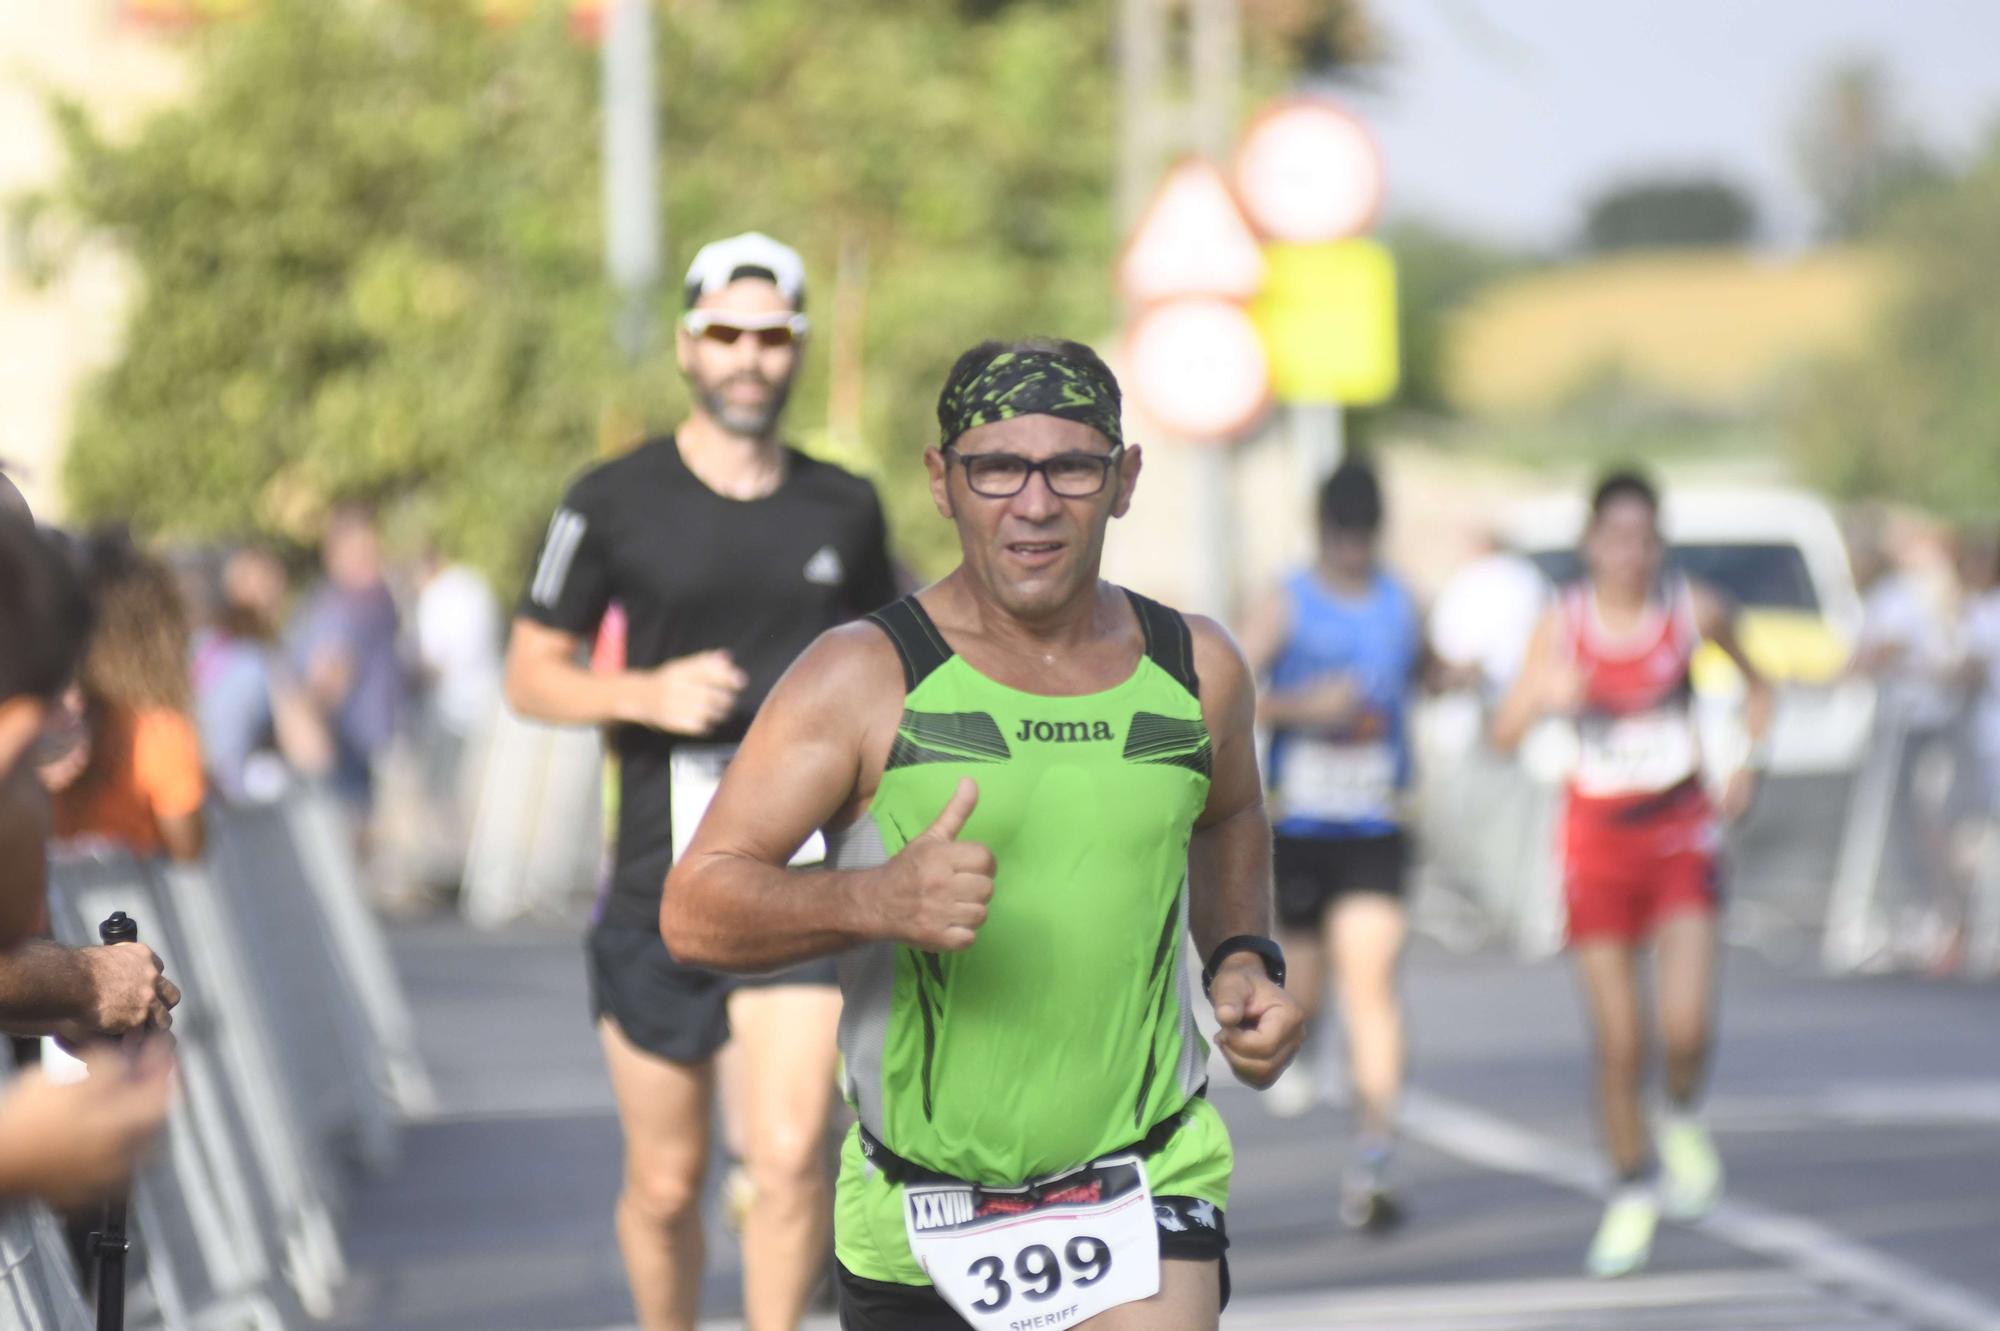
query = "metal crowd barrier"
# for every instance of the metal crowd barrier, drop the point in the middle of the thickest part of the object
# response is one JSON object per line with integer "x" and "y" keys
{"x": 537, "y": 830}
{"x": 297, "y": 1064}
{"x": 38, "y": 1292}
{"x": 1982, "y": 942}
{"x": 1488, "y": 833}
{"x": 1918, "y": 806}
{"x": 1491, "y": 827}
{"x": 203, "y": 1216}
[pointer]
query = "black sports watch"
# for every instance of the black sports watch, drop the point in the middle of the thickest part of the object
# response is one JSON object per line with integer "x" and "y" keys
{"x": 1267, "y": 950}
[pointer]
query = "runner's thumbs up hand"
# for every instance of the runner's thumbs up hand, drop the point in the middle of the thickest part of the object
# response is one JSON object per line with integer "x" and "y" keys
{"x": 942, "y": 884}
{"x": 1262, "y": 1026}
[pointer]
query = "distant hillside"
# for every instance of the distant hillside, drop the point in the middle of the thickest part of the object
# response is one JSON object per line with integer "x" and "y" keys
{"x": 1706, "y": 329}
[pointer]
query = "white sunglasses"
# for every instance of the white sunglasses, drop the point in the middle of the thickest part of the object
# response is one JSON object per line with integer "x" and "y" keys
{"x": 770, "y": 330}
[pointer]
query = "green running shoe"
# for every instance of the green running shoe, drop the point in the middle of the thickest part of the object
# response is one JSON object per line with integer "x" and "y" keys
{"x": 1690, "y": 1170}
{"x": 1624, "y": 1239}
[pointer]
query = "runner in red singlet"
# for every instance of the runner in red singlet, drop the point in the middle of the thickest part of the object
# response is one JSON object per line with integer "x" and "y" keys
{"x": 1639, "y": 842}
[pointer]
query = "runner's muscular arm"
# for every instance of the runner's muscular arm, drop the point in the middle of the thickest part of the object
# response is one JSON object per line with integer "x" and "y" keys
{"x": 688, "y": 695}
{"x": 1325, "y": 704}
{"x": 733, "y": 904}
{"x": 1229, "y": 870}
{"x": 1546, "y": 684}
{"x": 546, "y": 681}
{"x": 1229, "y": 856}
{"x": 1715, "y": 620}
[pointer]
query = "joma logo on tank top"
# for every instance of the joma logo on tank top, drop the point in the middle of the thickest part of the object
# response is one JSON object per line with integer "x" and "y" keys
{"x": 1065, "y": 732}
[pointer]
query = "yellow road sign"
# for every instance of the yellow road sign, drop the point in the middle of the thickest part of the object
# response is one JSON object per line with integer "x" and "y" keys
{"x": 1328, "y": 318}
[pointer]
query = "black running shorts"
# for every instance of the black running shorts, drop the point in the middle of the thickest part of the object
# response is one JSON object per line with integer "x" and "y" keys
{"x": 670, "y": 1010}
{"x": 1314, "y": 872}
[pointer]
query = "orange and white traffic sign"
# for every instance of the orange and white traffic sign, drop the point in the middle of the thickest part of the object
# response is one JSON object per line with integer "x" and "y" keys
{"x": 1196, "y": 368}
{"x": 1309, "y": 171}
{"x": 1191, "y": 241}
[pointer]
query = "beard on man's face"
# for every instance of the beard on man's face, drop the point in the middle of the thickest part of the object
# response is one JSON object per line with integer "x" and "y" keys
{"x": 743, "y": 416}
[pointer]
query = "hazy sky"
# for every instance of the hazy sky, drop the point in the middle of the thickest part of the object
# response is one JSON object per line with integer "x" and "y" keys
{"x": 1505, "y": 116}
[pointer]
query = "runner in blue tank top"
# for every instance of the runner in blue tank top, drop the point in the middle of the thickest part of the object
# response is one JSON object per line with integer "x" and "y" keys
{"x": 1339, "y": 645}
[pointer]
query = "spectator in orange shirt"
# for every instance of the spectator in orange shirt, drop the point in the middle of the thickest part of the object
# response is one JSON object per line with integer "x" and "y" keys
{"x": 134, "y": 775}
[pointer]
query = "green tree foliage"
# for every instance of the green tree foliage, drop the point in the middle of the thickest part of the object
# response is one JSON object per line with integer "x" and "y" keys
{"x": 1665, "y": 213}
{"x": 369, "y": 245}
{"x": 1436, "y": 271}
{"x": 1916, "y": 416}
{"x": 368, "y": 266}
{"x": 1855, "y": 155}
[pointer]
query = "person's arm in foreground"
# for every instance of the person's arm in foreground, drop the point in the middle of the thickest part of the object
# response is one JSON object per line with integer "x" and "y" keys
{"x": 48, "y": 989}
{"x": 732, "y": 904}
{"x": 1229, "y": 871}
{"x": 75, "y": 1144}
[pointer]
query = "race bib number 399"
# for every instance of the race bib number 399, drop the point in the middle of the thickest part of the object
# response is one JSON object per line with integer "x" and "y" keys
{"x": 1049, "y": 1255}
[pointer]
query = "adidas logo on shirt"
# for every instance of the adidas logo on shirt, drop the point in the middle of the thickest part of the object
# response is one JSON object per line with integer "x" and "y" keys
{"x": 825, "y": 569}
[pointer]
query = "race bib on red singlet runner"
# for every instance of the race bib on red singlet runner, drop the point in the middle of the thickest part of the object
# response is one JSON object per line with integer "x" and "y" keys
{"x": 1642, "y": 754}
{"x": 695, "y": 772}
{"x": 1052, "y": 1254}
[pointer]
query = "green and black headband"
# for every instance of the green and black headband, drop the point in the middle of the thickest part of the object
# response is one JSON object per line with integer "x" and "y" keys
{"x": 1030, "y": 383}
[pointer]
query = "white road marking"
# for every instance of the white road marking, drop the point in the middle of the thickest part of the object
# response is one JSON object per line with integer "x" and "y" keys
{"x": 1813, "y": 1250}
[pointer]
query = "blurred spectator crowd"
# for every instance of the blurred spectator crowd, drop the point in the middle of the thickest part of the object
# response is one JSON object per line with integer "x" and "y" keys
{"x": 233, "y": 675}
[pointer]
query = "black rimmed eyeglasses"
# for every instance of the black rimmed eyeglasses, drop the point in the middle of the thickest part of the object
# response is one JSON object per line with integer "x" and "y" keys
{"x": 1004, "y": 475}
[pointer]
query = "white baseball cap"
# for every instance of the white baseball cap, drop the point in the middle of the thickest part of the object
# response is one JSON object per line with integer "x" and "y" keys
{"x": 752, "y": 254}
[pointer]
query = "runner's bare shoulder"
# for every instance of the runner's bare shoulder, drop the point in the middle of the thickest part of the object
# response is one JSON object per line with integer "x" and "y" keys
{"x": 1218, "y": 660}
{"x": 849, "y": 673}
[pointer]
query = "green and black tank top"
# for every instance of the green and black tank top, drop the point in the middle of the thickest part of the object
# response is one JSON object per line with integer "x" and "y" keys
{"x": 1066, "y": 1030}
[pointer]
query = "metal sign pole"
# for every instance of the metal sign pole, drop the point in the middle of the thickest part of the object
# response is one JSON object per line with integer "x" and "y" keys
{"x": 1217, "y": 65}
{"x": 1318, "y": 441}
{"x": 631, "y": 171}
{"x": 109, "y": 1244}
{"x": 1215, "y": 531}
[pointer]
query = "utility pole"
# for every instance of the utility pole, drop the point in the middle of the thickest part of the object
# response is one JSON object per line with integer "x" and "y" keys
{"x": 632, "y": 241}
{"x": 1156, "y": 125}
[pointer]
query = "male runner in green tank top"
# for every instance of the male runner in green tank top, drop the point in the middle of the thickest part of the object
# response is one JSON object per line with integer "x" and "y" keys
{"x": 1032, "y": 784}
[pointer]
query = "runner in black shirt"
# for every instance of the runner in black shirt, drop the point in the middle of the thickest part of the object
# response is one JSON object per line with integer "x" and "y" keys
{"x": 728, "y": 553}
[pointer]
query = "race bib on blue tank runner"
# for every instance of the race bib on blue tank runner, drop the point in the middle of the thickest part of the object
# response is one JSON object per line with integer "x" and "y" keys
{"x": 695, "y": 771}
{"x": 1337, "y": 783}
{"x": 1050, "y": 1254}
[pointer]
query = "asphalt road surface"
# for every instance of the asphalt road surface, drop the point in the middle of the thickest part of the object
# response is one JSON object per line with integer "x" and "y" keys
{"x": 1859, "y": 1118}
